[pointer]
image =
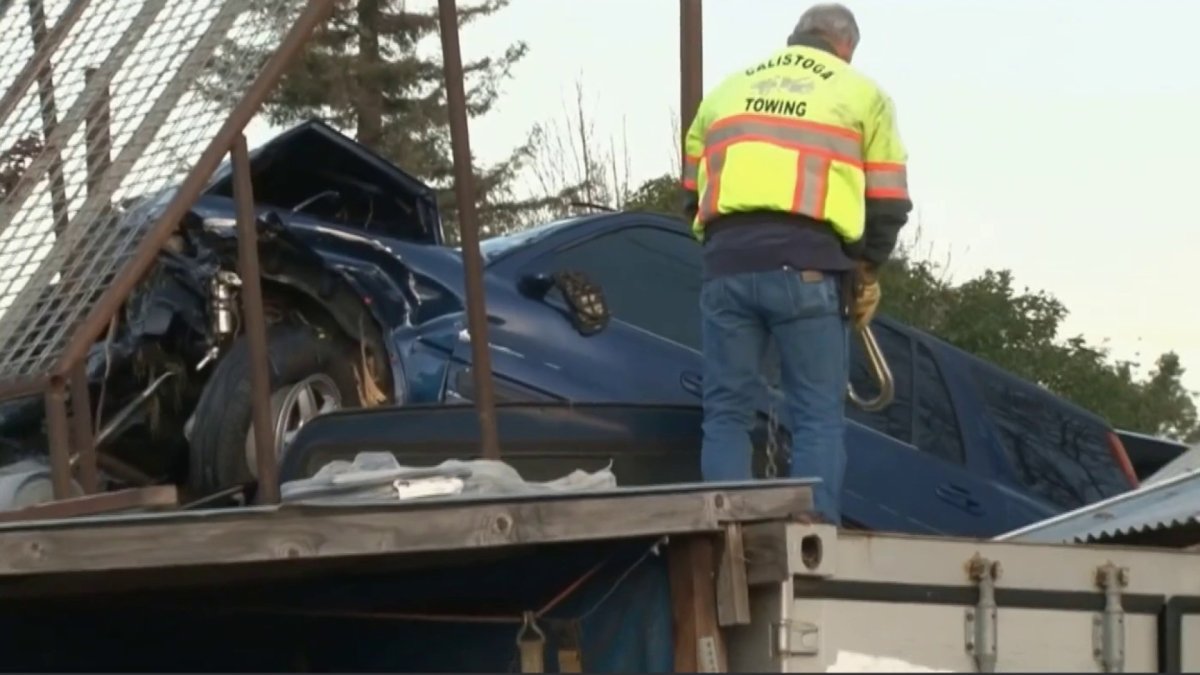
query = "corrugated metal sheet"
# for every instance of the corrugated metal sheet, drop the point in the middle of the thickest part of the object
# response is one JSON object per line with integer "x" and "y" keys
{"x": 1184, "y": 463}
{"x": 1164, "y": 513}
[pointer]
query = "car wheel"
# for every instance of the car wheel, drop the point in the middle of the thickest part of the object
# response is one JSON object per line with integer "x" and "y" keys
{"x": 310, "y": 375}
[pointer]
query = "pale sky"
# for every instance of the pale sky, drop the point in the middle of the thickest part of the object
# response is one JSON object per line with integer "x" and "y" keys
{"x": 1051, "y": 137}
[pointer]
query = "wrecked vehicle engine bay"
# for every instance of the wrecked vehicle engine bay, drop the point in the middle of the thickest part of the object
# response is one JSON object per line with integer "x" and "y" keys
{"x": 169, "y": 376}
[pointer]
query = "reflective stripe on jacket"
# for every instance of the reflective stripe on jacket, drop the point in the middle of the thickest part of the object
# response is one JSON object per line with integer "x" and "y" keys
{"x": 802, "y": 133}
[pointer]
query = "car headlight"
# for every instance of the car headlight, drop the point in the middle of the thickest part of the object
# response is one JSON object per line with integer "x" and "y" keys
{"x": 218, "y": 223}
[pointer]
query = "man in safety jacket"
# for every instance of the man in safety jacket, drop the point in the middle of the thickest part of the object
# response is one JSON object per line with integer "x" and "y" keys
{"x": 796, "y": 184}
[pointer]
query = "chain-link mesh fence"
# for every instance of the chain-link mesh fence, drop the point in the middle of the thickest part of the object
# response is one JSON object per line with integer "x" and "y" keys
{"x": 130, "y": 95}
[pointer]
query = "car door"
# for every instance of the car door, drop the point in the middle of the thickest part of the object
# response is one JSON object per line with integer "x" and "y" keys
{"x": 649, "y": 275}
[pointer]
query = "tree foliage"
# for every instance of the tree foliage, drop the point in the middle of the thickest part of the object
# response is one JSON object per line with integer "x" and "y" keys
{"x": 15, "y": 160}
{"x": 660, "y": 195}
{"x": 573, "y": 171}
{"x": 367, "y": 74}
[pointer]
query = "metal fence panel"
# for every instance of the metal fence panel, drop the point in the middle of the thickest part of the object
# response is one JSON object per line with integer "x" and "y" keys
{"x": 106, "y": 106}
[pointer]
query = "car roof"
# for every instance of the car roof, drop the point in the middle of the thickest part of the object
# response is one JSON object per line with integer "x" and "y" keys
{"x": 986, "y": 368}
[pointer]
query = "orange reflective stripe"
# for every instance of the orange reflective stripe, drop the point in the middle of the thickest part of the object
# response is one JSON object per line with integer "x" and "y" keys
{"x": 812, "y": 184}
{"x": 886, "y": 180}
{"x": 691, "y": 171}
{"x": 833, "y": 142}
{"x": 712, "y": 187}
{"x": 776, "y": 121}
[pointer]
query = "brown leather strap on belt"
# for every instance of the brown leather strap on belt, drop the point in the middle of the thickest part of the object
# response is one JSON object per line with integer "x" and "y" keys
{"x": 846, "y": 286}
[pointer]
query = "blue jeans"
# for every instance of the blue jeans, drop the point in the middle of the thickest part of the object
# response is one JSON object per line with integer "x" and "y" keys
{"x": 741, "y": 313}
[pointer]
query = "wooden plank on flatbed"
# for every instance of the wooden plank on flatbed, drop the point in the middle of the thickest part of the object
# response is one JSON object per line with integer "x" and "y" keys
{"x": 295, "y": 532}
{"x": 733, "y": 588}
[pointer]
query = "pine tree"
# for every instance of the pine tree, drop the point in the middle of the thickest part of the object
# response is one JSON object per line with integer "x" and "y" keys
{"x": 367, "y": 73}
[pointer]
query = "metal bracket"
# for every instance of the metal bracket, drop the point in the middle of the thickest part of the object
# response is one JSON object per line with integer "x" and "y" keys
{"x": 795, "y": 638}
{"x": 1108, "y": 627}
{"x": 706, "y": 653}
{"x": 980, "y": 624}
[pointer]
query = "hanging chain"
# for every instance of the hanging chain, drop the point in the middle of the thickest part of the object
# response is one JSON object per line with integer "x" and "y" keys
{"x": 772, "y": 470}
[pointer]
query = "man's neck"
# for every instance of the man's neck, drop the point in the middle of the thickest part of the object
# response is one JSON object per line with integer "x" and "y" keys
{"x": 813, "y": 41}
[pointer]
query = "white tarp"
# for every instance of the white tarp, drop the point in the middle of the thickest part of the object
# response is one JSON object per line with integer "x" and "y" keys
{"x": 376, "y": 476}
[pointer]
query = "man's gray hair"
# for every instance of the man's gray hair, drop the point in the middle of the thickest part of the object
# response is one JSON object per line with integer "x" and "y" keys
{"x": 830, "y": 20}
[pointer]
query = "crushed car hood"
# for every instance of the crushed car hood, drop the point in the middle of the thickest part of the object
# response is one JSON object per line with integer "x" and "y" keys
{"x": 372, "y": 194}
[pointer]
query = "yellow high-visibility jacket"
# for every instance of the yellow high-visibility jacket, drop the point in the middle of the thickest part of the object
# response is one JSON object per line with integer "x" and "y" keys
{"x": 802, "y": 133}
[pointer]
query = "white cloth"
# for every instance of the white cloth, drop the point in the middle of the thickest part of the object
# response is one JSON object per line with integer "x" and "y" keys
{"x": 377, "y": 476}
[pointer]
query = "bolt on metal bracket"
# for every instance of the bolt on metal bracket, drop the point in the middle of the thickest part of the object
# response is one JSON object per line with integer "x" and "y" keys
{"x": 1108, "y": 627}
{"x": 706, "y": 652}
{"x": 980, "y": 624}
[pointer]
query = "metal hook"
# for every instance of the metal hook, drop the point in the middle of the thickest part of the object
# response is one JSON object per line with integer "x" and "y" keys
{"x": 529, "y": 623}
{"x": 881, "y": 371}
{"x": 531, "y": 641}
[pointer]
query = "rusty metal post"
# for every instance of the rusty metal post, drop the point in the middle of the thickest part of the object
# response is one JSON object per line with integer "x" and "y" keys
{"x": 691, "y": 63}
{"x": 82, "y": 438}
{"x": 45, "y": 82}
{"x": 98, "y": 135}
{"x": 255, "y": 325}
{"x": 316, "y": 12}
{"x": 468, "y": 224}
{"x": 60, "y": 442}
{"x": 41, "y": 57}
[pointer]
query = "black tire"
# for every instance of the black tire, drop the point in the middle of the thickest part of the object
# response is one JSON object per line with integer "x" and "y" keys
{"x": 217, "y": 458}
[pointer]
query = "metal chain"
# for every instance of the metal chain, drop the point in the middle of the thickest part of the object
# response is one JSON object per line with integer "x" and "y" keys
{"x": 772, "y": 469}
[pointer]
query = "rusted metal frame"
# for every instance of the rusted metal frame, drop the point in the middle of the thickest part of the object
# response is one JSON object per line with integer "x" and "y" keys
{"x": 123, "y": 471}
{"x": 468, "y": 223}
{"x": 23, "y": 386}
{"x": 154, "y": 497}
{"x": 41, "y": 58}
{"x": 59, "y": 438}
{"x": 115, "y": 60}
{"x": 144, "y": 256}
{"x": 82, "y": 440}
{"x": 691, "y": 65}
{"x": 255, "y": 324}
{"x": 99, "y": 143}
{"x": 98, "y": 134}
{"x": 45, "y": 82}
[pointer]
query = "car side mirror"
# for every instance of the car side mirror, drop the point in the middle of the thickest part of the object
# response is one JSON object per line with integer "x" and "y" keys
{"x": 586, "y": 306}
{"x": 536, "y": 286}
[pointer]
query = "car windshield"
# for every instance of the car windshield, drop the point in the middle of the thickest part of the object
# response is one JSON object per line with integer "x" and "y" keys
{"x": 498, "y": 246}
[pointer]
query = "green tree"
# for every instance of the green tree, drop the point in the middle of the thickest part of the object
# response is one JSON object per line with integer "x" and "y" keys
{"x": 659, "y": 194}
{"x": 366, "y": 74}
